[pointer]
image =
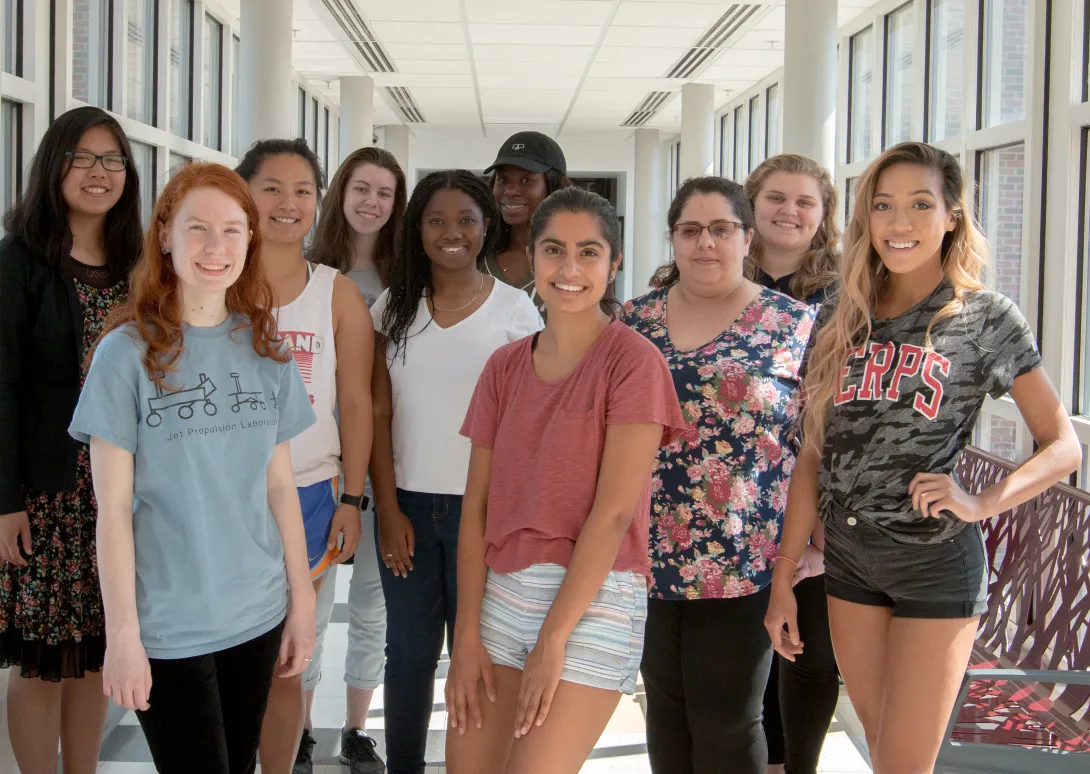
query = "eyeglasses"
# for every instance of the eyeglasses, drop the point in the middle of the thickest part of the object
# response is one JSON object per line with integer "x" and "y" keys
{"x": 111, "y": 162}
{"x": 720, "y": 229}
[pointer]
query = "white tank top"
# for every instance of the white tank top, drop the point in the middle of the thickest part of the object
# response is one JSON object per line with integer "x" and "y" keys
{"x": 307, "y": 324}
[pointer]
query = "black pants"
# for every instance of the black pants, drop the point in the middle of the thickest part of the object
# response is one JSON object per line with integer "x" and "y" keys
{"x": 206, "y": 711}
{"x": 705, "y": 667}
{"x": 801, "y": 697}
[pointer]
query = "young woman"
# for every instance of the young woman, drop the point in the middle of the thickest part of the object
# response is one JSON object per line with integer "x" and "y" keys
{"x": 553, "y": 547}
{"x": 188, "y": 406}
{"x": 358, "y": 231}
{"x": 64, "y": 267}
{"x": 324, "y": 321}
{"x": 437, "y": 325}
{"x": 733, "y": 349}
{"x": 903, "y": 361}
{"x": 796, "y": 251}
{"x": 528, "y": 167}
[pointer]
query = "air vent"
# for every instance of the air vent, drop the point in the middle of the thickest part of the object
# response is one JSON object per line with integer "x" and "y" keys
{"x": 406, "y": 105}
{"x": 651, "y": 104}
{"x": 718, "y": 37}
{"x": 359, "y": 35}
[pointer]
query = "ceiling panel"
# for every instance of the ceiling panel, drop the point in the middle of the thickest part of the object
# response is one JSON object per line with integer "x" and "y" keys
{"x": 566, "y": 12}
{"x": 562, "y": 66}
{"x": 544, "y": 54}
{"x": 541, "y": 34}
{"x": 418, "y": 32}
{"x": 409, "y": 10}
{"x": 528, "y": 82}
{"x": 427, "y": 51}
{"x": 668, "y": 14}
{"x": 434, "y": 66}
{"x": 652, "y": 37}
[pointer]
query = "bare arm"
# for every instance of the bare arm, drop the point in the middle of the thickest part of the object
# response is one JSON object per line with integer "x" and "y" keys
{"x": 628, "y": 457}
{"x": 112, "y": 472}
{"x": 1057, "y": 456}
{"x": 354, "y": 334}
{"x": 283, "y": 500}
{"x": 472, "y": 570}
{"x": 382, "y": 447}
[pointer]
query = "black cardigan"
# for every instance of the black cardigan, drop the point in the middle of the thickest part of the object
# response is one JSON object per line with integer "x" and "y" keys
{"x": 41, "y": 329}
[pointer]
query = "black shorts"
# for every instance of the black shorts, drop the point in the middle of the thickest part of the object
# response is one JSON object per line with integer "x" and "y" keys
{"x": 870, "y": 566}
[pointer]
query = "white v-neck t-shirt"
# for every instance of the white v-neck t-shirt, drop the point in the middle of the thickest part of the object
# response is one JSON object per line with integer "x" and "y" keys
{"x": 433, "y": 378}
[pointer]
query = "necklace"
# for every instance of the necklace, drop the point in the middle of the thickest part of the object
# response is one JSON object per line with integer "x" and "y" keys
{"x": 438, "y": 308}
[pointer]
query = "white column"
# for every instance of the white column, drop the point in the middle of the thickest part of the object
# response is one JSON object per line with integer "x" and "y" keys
{"x": 809, "y": 80}
{"x": 648, "y": 249}
{"x": 357, "y": 113}
{"x": 397, "y": 142}
{"x": 697, "y": 130}
{"x": 266, "y": 101}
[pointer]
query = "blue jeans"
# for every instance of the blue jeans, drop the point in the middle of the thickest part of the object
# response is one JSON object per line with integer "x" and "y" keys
{"x": 418, "y": 609}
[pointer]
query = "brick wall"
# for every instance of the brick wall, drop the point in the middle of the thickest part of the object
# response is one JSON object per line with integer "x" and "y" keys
{"x": 1003, "y": 438}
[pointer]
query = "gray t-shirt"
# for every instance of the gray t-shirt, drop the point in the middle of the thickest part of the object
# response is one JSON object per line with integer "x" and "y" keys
{"x": 209, "y": 559}
{"x": 369, "y": 283}
{"x": 903, "y": 410}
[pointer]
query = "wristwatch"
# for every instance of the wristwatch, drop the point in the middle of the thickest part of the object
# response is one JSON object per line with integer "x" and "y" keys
{"x": 360, "y": 501}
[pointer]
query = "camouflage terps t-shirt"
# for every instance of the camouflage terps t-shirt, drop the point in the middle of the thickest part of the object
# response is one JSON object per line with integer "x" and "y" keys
{"x": 902, "y": 409}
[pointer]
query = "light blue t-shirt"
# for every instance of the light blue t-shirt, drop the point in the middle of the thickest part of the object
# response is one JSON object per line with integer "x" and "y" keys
{"x": 209, "y": 559}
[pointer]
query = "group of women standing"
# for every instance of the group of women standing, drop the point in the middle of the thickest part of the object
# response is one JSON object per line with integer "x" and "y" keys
{"x": 206, "y": 420}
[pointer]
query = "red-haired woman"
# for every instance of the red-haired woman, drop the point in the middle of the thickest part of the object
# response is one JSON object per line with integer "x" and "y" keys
{"x": 188, "y": 406}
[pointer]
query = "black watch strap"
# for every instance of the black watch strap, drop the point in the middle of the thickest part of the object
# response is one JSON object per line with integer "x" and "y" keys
{"x": 360, "y": 501}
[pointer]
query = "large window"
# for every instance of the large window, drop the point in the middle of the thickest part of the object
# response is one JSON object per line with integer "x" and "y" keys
{"x": 302, "y": 113}
{"x": 313, "y": 128}
{"x": 860, "y": 102}
{"x": 900, "y": 74}
{"x": 13, "y": 37}
{"x": 754, "y": 132}
{"x": 181, "y": 68}
{"x": 325, "y": 144}
{"x": 724, "y": 146}
{"x": 772, "y": 120}
{"x": 143, "y": 157}
{"x": 140, "y": 59}
{"x": 92, "y": 51}
{"x": 739, "y": 149}
{"x": 849, "y": 202}
{"x": 946, "y": 71}
{"x": 213, "y": 80}
{"x": 11, "y": 125}
{"x": 1004, "y": 62}
{"x": 1002, "y": 176}
{"x": 176, "y": 162}
{"x": 235, "y": 117}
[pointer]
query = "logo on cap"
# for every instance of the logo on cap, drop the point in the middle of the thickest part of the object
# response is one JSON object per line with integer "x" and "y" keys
{"x": 518, "y": 146}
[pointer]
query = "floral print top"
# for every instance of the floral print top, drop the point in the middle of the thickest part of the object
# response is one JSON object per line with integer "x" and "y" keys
{"x": 719, "y": 491}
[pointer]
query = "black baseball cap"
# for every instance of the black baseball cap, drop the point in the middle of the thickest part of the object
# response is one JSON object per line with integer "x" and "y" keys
{"x": 532, "y": 151}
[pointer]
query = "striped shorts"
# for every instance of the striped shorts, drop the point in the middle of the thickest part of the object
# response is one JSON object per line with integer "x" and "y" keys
{"x": 604, "y": 649}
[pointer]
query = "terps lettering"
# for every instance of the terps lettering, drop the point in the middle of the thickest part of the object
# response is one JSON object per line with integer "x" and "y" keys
{"x": 905, "y": 362}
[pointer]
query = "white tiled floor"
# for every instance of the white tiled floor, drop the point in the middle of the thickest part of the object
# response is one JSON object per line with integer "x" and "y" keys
{"x": 124, "y": 750}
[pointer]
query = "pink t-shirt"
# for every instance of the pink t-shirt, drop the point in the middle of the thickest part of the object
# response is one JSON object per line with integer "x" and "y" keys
{"x": 547, "y": 440}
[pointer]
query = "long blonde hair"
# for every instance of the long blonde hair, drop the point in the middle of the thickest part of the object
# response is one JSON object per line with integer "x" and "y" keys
{"x": 820, "y": 266}
{"x": 863, "y": 277}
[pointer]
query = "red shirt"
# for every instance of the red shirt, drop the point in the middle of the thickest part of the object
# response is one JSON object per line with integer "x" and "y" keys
{"x": 547, "y": 440}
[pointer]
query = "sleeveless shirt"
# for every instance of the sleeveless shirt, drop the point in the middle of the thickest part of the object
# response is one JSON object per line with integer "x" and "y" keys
{"x": 307, "y": 326}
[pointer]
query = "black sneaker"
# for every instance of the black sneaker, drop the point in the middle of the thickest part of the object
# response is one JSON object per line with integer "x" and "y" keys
{"x": 304, "y": 763}
{"x": 358, "y": 752}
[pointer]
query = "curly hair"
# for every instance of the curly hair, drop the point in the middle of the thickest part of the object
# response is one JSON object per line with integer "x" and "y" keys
{"x": 154, "y": 305}
{"x": 333, "y": 236}
{"x": 410, "y": 277}
{"x": 820, "y": 265}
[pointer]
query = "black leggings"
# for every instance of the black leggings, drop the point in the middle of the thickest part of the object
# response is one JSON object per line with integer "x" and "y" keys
{"x": 206, "y": 711}
{"x": 705, "y": 667}
{"x": 801, "y": 696}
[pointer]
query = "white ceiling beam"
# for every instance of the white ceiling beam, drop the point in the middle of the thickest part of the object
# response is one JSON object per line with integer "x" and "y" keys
{"x": 590, "y": 63}
{"x": 464, "y": 14}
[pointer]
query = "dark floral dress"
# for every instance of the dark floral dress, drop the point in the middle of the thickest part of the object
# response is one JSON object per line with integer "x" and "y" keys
{"x": 51, "y": 620}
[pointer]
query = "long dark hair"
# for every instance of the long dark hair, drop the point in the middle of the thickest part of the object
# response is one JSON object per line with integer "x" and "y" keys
{"x": 734, "y": 194}
{"x": 40, "y": 218}
{"x": 410, "y": 275}
{"x": 263, "y": 149}
{"x": 576, "y": 200}
{"x": 554, "y": 181}
{"x": 333, "y": 237}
